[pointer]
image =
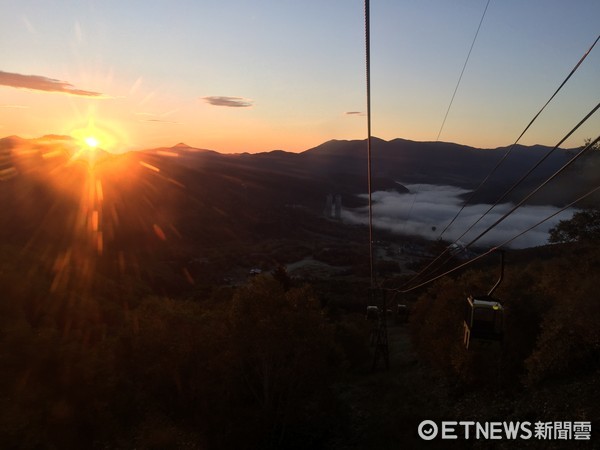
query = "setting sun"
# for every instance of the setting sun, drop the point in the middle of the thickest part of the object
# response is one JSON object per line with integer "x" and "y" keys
{"x": 92, "y": 135}
{"x": 91, "y": 141}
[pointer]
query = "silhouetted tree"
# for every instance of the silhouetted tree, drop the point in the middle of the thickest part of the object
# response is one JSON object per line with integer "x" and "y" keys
{"x": 587, "y": 142}
{"x": 584, "y": 226}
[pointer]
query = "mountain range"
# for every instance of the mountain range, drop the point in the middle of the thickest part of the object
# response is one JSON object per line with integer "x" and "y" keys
{"x": 151, "y": 213}
{"x": 200, "y": 188}
{"x": 340, "y": 166}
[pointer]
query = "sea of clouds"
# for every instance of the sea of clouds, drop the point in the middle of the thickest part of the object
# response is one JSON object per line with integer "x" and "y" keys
{"x": 427, "y": 209}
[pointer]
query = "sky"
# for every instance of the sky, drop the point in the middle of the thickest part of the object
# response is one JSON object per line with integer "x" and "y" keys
{"x": 250, "y": 76}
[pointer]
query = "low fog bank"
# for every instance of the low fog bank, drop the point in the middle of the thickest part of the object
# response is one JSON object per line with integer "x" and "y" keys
{"x": 428, "y": 208}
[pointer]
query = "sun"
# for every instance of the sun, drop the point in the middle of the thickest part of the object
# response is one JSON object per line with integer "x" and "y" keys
{"x": 92, "y": 142}
{"x": 93, "y": 136}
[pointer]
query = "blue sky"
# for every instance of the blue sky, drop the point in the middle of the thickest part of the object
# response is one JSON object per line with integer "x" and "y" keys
{"x": 291, "y": 70}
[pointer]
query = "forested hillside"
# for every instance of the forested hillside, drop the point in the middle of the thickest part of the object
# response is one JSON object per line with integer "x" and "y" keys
{"x": 131, "y": 315}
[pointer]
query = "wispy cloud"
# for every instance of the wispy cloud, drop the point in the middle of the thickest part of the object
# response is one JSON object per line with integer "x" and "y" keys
{"x": 354, "y": 113}
{"x": 41, "y": 83}
{"x": 231, "y": 102}
{"x": 428, "y": 208}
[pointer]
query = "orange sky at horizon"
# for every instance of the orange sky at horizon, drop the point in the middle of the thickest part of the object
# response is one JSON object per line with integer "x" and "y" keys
{"x": 129, "y": 130}
{"x": 32, "y": 114}
{"x": 268, "y": 85}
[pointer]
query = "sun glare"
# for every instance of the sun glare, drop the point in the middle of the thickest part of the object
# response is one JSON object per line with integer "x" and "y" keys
{"x": 92, "y": 136}
{"x": 91, "y": 141}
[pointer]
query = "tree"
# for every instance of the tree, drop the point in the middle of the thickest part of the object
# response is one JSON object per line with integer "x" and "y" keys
{"x": 284, "y": 354}
{"x": 584, "y": 226}
{"x": 588, "y": 141}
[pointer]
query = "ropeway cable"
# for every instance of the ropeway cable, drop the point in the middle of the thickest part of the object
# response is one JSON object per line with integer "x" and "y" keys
{"x": 510, "y": 149}
{"x": 532, "y": 193}
{"x": 493, "y": 249}
{"x": 560, "y": 170}
{"x": 462, "y": 71}
{"x": 530, "y": 171}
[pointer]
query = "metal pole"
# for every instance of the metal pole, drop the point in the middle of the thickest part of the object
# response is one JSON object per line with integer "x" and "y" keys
{"x": 368, "y": 68}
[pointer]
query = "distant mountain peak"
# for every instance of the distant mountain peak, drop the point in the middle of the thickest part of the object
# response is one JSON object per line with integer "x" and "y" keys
{"x": 14, "y": 137}
{"x": 182, "y": 147}
{"x": 56, "y": 137}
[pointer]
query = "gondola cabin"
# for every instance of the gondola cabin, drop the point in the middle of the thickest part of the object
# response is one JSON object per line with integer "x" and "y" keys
{"x": 484, "y": 317}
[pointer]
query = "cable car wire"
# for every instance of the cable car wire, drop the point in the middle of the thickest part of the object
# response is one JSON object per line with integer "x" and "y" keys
{"x": 369, "y": 148}
{"x": 530, "y": 171}
{"x": 510, "y": 149}
{"x": 498, "y": 247}
{"x": 527, "y": 197}
{"x": 552, "y": 177}
{"x": 502, "y": 161}
{"x": 462, "y": 71}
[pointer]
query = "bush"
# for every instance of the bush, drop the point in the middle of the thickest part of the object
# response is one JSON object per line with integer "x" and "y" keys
{"x": 569, "y": 339}
{"x": 550, "y": 323}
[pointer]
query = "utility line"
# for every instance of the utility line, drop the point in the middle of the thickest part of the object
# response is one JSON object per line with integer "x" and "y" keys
{"x": 510, "y": 149}
{"x": 462, "y": 71}
{"x": 494, "y": 249}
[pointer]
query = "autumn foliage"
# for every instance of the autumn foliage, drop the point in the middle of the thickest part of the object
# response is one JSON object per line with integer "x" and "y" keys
{"x": 551, "y": 321}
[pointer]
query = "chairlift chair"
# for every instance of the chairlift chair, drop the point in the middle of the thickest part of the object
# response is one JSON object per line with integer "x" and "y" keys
{"x": 484, "y": 316}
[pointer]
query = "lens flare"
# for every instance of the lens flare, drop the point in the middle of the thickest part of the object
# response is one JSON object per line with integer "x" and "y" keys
{"x": 95, "y": 136}
{"x": 91, "y": 141}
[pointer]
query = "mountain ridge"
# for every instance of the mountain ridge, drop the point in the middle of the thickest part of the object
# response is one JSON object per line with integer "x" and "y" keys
{"x": 323, "y": 147}
{"x": 341, "y": 165}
